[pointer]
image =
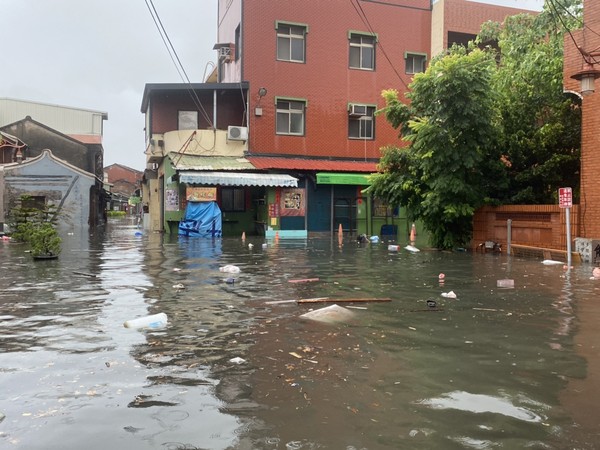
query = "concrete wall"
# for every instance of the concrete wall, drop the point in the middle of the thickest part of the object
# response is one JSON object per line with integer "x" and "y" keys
{"x": 66, "y": 119}
{"x": 62, "y": 184}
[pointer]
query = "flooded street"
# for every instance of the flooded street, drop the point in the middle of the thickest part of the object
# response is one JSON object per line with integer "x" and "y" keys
{"x": 236, "y": 368}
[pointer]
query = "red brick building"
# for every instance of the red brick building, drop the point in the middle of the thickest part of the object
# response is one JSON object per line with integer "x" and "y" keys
{"x": 124, "y": 182}
{"x": 285, "y": 134}
{"x": 315, "y": 76}
{"x": 575, "y": 61}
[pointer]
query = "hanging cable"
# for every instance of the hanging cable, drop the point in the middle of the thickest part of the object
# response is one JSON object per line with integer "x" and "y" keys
{"x": 175, "y": 58}
{"x": 363, "y": 16}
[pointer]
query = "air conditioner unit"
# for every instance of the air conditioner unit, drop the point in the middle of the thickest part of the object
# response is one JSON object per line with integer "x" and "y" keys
{"x": 358, "y": 110}
{"x": 237, "y": 133}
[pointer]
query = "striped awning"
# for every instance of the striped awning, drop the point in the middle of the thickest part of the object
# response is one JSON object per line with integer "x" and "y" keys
{"x": 237, "y": 179}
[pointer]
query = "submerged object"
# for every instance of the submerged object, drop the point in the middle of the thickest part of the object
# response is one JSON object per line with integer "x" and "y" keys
{"x": 551, "y": 262}
{"x": 506, "y": 283}
{"x": 153, "y": 321}
{"x": 230, "y": 269}
{"x": 333, "y": 313}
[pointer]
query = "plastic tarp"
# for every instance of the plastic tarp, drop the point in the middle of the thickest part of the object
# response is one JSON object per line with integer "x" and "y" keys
{"x": 202, "y": 219}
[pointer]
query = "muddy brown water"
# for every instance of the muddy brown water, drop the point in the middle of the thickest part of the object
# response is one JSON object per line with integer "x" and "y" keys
{"x": 493, "y": 368}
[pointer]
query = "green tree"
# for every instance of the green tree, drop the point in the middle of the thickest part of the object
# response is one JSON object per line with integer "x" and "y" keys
{"x": 540, "y": 126}
{"x": 451, "y": 124}
{"x": 485, "y": 126}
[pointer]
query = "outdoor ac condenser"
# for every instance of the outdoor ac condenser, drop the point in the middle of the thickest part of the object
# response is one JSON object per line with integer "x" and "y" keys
{"x": 237, "y": 133}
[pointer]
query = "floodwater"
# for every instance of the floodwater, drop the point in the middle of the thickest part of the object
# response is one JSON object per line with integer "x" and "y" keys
{"x": 494, "y": 368}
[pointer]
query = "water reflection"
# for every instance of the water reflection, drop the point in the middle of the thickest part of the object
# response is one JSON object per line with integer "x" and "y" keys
{"x": 236, "y": 368}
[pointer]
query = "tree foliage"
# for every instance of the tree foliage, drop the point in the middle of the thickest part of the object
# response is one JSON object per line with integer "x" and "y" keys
{"x": 540, "y": 126}
{"x": 452, "y": 127}
{"x": 484, "y": 125}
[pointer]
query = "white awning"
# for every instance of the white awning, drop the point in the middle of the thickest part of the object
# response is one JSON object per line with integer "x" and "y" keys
{"x": 237, "y": 178}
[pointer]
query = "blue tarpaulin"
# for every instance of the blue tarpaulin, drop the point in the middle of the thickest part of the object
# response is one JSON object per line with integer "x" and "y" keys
{"x": 202, "y": 219}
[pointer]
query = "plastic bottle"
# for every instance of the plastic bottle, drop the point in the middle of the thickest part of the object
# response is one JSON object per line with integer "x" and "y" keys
{"x": 153, "y": 321}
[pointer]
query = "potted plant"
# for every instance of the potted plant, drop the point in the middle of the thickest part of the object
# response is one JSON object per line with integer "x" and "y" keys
{"x": 45, "y": 241}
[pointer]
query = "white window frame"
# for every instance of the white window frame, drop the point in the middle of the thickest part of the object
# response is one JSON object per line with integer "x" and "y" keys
{"x": 366, "y": 42}
{"x": 365, "y": 125}
{"x": 288, "y": 35}
{"x": 410, "y": 59}
{"x": 289, "y": 109}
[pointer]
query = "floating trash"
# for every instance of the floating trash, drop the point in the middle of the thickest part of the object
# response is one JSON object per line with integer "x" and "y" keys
{"x": 505, "y": 283}
{"x": 551, "y": 262}
{"x": 412, "y": 249}
{"x": 478, "y": 403}
{"x": 450, "y": 294}
{"x": 229, "y": 269}
{"x": 153, "y": 321}
{"x": 333, "y": 313}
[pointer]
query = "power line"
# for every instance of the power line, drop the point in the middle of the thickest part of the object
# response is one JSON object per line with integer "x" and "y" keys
{"x": 556, "y": 14}
{"x": 363, "y": 16}
{"x": 175, "y": 59}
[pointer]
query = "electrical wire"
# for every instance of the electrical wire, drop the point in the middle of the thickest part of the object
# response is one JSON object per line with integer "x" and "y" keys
{"x": 553, "y": 10}
{"x": 363, "y": 16}
{"x": 175, "y": 59}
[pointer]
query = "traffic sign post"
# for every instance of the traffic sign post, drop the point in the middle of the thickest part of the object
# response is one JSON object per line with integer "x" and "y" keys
{"x": 565, "y": 200}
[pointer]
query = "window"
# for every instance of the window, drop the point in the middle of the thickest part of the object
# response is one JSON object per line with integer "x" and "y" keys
{"x": 361, "y": 122}
{"x": 291, "y": 42}
{"x": 34, "y": 202}
{"x": 415, "y": 62}
{"x": 362, "y": 51}
{"x": 290, "y": 116}
{"x": 233, "y": 199}
{"x": 238, "y": 42}
{"x": 187, "y": 120}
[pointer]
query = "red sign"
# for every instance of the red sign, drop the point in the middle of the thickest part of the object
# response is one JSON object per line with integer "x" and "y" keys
{"x": 565, "y": 197}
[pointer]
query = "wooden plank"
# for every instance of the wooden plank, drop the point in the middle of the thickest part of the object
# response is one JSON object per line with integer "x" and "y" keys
{"x": 304, "y": 280}
{"x": 343, "y": 300}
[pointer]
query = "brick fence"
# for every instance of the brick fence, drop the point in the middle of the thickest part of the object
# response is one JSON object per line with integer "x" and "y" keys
{"x": 538, "y": 226}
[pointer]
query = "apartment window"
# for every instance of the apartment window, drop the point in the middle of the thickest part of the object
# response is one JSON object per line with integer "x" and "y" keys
{"x": 415, "y": 62}
{"x": 362, "y": 51}
{"x": 291, "y": 42}
{"x": 233, "y": 199}
{"x": 187, "y": 120}
{"x": 290, "y": 116}
{"x": 361, "y": 122}
{"x": 238, "y": 42}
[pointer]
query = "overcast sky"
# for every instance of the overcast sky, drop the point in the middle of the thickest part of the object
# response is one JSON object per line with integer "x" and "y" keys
{"x": 99, "y": 54}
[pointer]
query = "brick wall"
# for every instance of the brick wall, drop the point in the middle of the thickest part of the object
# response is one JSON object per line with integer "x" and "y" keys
{"x": 325, "y": 79}
{"x": 541, "y": 226}
{"x": 589, "y": 40}
{"x": 124, "y": 179}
